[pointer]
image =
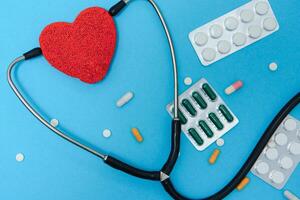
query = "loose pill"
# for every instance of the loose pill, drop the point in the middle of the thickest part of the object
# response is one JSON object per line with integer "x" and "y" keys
{"x": 273, "y": 66}
{"x": 189, "y": 107}
{"x": 106, "y": 133}
{"x": 54, "y": 122}
{"x": 200, "y": 101}
{"x": 196, "y": 136}
{"x": 214, "y": 156}
{"x": 226, "y": 113}
{"x": 208, "y": 132}
{"x": 290, "y": 196}
{"x": 239, "y": 39}
{"x": 215, "y": 120}
{"x": 20, "y": 157}
{"x": 290, "y": 125}
{"x": 231, "y": 23}
{"x": 220, "y": 142}
{"x": 188, "y": 81}
{"x": 208, "y": 90}
{"x": 125, "y": 99}
{"x": 270, "y": 24}
{"x": 201, "y": 39}
{"x": 243, "y": 184}
{"x": 136, "y": 133}
{"x": 233, "y": 87}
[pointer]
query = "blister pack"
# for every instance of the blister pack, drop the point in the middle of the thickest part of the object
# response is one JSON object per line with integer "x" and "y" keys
{"x": 233, "y": 31}
{"x": 281, "y": 156}
{"x": 203, "y": 114}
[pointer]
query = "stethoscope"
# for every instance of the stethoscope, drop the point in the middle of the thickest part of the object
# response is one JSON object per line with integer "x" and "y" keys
{"x": 163, "y": 175}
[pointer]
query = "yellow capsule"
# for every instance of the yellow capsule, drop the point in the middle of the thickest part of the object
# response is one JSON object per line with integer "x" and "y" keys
{"x": 243, "y": 184}
{"x": 136, "y": 133}
{"x": 214, "y": 156}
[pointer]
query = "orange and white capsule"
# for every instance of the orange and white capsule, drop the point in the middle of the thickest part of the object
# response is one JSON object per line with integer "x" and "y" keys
{"x": 234, "y": 87}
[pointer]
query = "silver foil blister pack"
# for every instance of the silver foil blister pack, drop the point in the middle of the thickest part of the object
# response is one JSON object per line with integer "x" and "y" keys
{"x": 204, "y": 115}
{"x": 281, "y": 156}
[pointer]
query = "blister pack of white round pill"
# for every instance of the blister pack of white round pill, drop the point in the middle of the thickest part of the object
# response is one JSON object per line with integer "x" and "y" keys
{"x": 233, "y": 31}
{"x": 281, "y": 156}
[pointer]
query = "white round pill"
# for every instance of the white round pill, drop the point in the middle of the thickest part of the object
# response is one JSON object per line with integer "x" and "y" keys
{"x": 290, "y": 124}
{"x": 239, "y": 39}
{"x": 20, "y": 157}
{"x": 224, "y": 46}
{"x": 295, "y": 148}
{"x": 220, "y": 142}
{"x": 201, "y": 39}
{"x": 54, "y": 122}
{"x": 216, "y": 31}
{"x": 231, "y": 23}
{"x": 286, "y": 162}
{"x": 262, "y": 168}
{"x": 106, "y": 133}
{"x": 254, "y": 31}
{"x": 273, "y": 66}
{"x": 281, "y": 139}
{"x": 261, "y": 8}
{"x": 272, "y": 154}
{"x": 188, "y": 81}
{"x": 277, "y": 177}
{"x": 209, "y": 54}
{"x": 247, "y": 16}
{"x": 270, "y": 24}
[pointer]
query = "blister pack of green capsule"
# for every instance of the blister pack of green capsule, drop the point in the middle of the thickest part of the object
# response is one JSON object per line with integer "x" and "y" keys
{"x": 203, "y": 114}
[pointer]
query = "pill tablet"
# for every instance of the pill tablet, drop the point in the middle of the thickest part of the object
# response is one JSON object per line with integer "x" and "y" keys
{"x": 290, "y": 125}
{"x": 254, "y": 31}
{"x": 224, "y": 47}
{"x": 220, "y": 142}
{"x": 281, "y": 139}
{"x": 231, "y": 23}
{"x": 216, "y": 31}
{"x": 272, "y": 154}
{"x": 201, "y": 39}
{"x": 273, "y": 66}
{"x": 262, "y": 8}
{"x": 54, "y": 122}
{"x": 286, "y": 162}
{"x": 262, "y": 168}
{"x": 209, "y": 54}
{"x": 277, "y": 177}
{"x": 247, "y": 16}
{"x": 106, "y": 133}
{"x": 270, "y": 24}
{"x": 295, "y": 148}
{"x": 239, "y": 39}
{"x": 188, "y": 81}
{"x": 20, "y": 157}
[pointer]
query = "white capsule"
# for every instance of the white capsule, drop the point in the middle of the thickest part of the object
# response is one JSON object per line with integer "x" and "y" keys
{"x": 290, "y": 196}
{"x": 125, "y": 99}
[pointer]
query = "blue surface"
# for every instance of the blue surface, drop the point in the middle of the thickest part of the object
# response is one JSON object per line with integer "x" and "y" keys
{"x": 55, "y": 169}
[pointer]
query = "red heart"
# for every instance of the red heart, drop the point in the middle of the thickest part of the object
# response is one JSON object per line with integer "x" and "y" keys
{"x": 84, "y": 48}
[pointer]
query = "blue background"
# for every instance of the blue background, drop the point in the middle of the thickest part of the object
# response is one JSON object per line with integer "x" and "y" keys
{"x": 55, "y": 169}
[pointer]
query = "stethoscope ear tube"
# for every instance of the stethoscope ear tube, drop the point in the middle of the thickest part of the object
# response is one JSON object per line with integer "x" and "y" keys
{"x": 245, "y": 169}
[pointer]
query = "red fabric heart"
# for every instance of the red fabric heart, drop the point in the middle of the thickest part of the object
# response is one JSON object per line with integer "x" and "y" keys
{"x": 84, "y": 48}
